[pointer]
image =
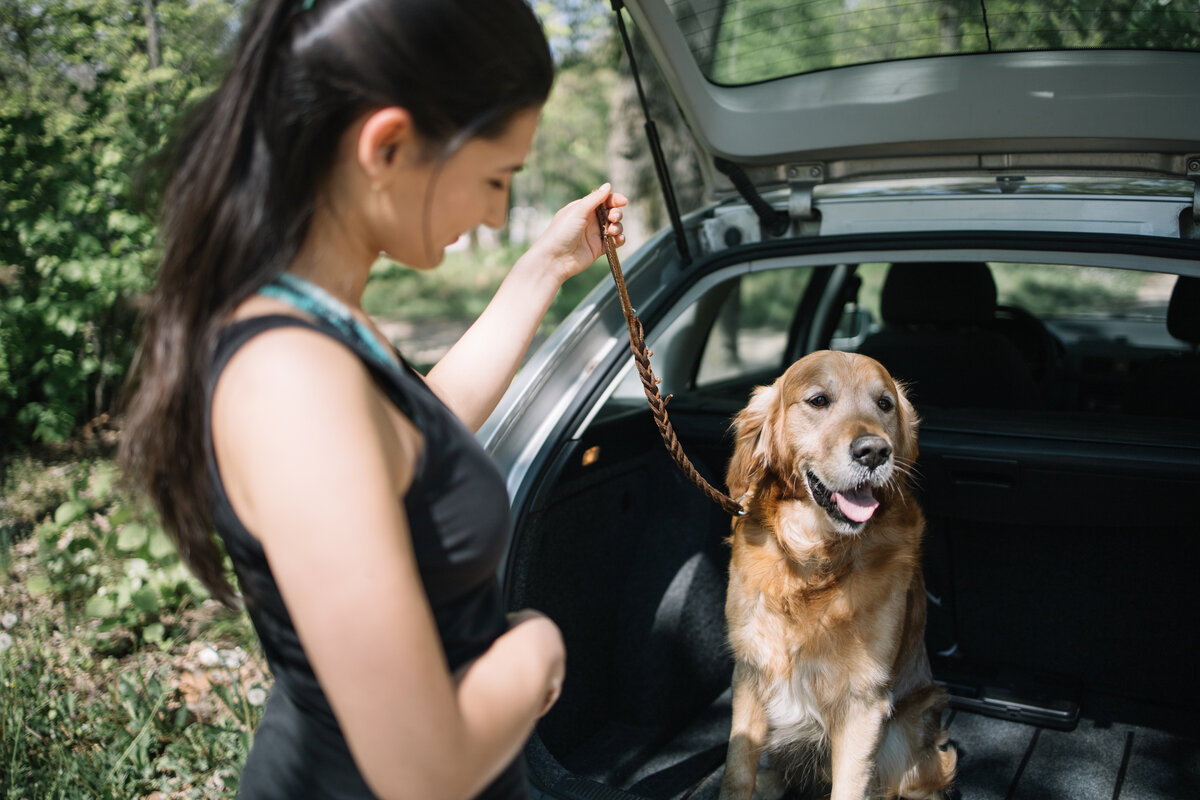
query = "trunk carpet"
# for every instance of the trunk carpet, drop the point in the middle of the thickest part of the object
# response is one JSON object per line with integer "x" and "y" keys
{"x": 998, "y": 760}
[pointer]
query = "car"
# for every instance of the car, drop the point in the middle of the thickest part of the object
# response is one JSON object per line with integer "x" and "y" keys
{"x": 1004, "y": 213}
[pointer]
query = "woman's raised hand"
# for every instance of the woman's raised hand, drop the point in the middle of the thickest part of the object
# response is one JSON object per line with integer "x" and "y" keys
{"x": 572, "y": 241}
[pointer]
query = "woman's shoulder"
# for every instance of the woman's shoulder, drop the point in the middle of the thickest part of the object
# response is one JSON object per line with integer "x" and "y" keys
{"x": 292, "y": 375}
{"x": 284, "y": 354}
{"x": 270, "y": 345}
{"x": 293, "y": 403}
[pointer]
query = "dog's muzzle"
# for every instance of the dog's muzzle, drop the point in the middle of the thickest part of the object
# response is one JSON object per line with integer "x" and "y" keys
{"x": 854, "y": 506}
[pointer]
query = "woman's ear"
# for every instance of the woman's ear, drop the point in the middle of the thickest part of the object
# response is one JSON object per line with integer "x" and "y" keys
{"x": 386, "y": 135}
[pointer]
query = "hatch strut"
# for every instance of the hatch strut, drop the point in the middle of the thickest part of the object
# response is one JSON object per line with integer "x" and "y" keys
{"x": 660, "y": 162}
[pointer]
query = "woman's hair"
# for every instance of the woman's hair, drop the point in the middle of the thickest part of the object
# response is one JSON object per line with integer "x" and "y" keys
{"x": 245, "y": 175}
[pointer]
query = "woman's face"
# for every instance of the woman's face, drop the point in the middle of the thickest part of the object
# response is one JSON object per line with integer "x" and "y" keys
{"x": 442, "y": 200}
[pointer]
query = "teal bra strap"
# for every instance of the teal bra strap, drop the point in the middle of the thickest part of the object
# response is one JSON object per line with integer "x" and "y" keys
{"x": 312, "y": 299}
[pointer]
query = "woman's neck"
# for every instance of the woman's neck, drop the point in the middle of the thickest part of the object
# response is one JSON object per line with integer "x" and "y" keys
{"x": 334, "y": 258}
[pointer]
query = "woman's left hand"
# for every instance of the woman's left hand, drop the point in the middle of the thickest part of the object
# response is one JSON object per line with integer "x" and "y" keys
{"x": 473, "y": 375}
{"x": 572, "y": 241}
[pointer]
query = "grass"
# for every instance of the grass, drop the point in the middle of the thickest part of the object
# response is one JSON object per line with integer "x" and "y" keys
{"x": 147, "y": 697}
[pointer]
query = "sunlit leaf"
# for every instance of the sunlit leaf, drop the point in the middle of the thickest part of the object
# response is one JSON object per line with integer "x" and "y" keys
{"x": 132, "y": 537}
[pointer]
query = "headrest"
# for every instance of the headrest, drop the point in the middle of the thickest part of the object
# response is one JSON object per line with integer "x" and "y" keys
{"x": 1183, "y": 314}
{"x": 955, "y": 293}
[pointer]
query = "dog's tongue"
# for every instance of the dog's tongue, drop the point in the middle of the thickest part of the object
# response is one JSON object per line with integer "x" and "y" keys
{"x": 857, "y": 504}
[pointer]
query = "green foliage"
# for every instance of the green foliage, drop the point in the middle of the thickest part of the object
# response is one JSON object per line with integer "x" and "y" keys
{"x": 568, "y": 158}
{"x": 580, "y": 31}
{"x": 98, "y": 556}
{"x": 89, "y": 90}
{"x": 769, "y": 299}
{"x": 1049, "y": 290}
{"x": 1044, "y": 290}
{"x": 462, "y": 286}
{"x": 91, "y": 699}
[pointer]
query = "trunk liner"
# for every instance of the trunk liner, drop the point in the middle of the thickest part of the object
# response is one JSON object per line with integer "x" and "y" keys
{"x": 998, "y": 760}
{"x": 1092, "y": 611}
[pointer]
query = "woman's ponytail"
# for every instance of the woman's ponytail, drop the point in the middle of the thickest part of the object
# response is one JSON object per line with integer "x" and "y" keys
{"x": 218, "y": 248}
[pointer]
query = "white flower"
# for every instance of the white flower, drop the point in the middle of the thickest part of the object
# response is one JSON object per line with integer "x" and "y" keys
{"x": 233, "y": 658}
{"x": 9, "y": 620}
{"x": 208, "y": 657}
{"x": 256, "y": 696}
{"x": 5, "y": 642}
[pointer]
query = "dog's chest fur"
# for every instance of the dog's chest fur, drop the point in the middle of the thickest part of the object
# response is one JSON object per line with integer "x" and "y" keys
{"x": 812, "y": 619}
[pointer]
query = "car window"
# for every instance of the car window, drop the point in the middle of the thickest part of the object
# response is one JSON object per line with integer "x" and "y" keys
{"x": 1055, "y": 291}
{"x": 750, "y": 331}
{"x": 746, "y": 41}
{"x": 1060, "y": 337}
{"x": 1047, "y": 291}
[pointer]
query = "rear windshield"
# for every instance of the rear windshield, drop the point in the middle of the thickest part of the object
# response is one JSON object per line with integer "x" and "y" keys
{"x": 747, "y": 41}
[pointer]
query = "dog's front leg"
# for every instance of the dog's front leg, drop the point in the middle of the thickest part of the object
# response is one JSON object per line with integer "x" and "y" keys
{"x": 747, "y": 735}
{"x": 855, "y": 745}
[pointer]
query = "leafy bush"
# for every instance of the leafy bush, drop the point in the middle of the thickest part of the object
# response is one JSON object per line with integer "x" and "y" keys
{"x": 86, "y": 102}
{"x": 110, "y": 686}
{"x": 120, "y": 567}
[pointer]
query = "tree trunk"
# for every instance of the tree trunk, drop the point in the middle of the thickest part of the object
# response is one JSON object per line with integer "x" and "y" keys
{"x": 152, "y": 48}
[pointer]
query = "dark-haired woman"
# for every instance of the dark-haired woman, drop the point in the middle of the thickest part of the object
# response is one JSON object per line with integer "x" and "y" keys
{"x": 364, "y": 522}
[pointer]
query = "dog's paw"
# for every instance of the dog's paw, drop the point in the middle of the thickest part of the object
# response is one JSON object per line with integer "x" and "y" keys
{"x": 768, "y": 784}
{"x": 933, "y": 777}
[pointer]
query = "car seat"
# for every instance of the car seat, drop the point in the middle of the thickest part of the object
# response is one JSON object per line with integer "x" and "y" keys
{"x": 1170, "y": 385}
{"x": 936, "y": 336}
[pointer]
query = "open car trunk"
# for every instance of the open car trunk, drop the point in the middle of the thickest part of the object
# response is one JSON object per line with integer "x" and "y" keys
{"x": 1061, "y": 561}
{"x": 1061, "y": 549}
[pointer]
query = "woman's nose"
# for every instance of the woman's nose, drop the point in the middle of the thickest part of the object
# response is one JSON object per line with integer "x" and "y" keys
{"x": 497, "y": 211}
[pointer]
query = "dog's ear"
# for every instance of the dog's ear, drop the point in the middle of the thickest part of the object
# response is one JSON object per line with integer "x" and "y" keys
{"x": 906, "y": 446}
{"x": 757, "y": 440}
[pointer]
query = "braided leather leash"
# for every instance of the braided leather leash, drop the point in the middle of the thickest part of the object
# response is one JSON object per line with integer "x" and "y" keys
{"x": 658, "y": 403}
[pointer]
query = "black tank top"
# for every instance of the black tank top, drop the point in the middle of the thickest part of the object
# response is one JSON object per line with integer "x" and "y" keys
{"x": 458, "y": 513}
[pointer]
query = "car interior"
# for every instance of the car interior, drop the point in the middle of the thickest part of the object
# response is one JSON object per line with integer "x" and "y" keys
{"x": 1059, "y": 462}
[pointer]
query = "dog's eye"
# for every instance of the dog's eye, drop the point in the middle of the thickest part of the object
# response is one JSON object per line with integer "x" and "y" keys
{"x": 818, "y": 401}
{"x": 885, "y": 404}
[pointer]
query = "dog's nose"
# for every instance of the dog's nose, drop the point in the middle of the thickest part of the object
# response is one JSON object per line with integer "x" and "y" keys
{"x": 870, "y": 450}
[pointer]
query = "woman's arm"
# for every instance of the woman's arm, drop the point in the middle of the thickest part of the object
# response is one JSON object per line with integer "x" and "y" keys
{"x": 473, "y": 376}
{"x": 315, "y": 462}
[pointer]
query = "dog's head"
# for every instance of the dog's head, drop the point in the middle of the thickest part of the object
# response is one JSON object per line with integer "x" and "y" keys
{"x": 836, "y": 426}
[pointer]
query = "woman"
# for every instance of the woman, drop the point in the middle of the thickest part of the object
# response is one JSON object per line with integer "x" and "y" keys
{"x": 364, "y": 522}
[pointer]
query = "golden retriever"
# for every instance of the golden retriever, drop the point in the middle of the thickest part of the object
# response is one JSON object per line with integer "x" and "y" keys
{"x": 826, "y": 601}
